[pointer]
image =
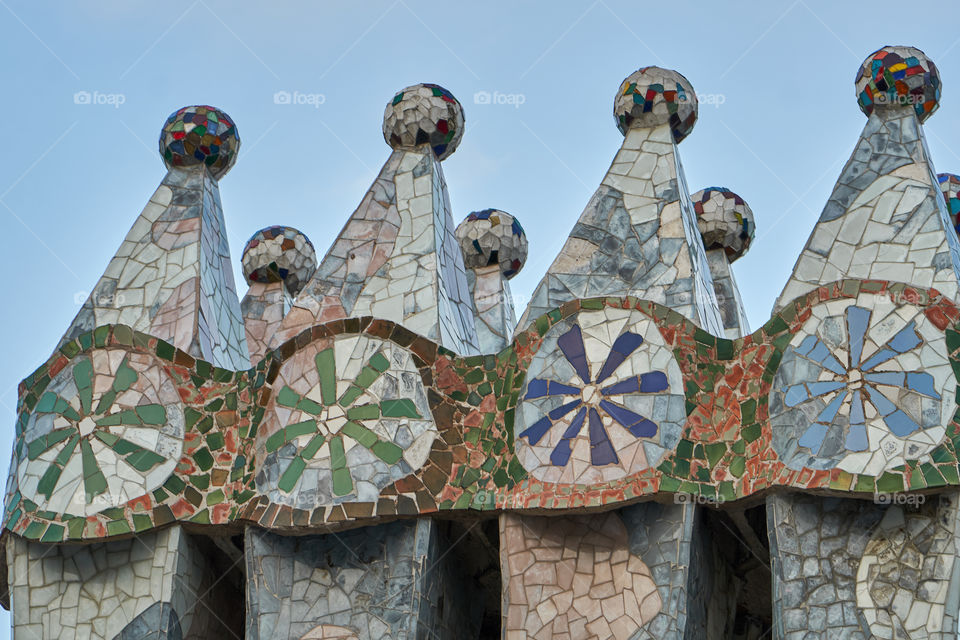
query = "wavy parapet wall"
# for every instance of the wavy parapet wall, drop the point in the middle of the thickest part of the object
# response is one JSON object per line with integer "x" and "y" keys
{"x": 390, "y": 381}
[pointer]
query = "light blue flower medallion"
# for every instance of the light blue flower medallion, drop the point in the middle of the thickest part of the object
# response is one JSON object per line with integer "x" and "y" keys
{"x": 864, "y": 386}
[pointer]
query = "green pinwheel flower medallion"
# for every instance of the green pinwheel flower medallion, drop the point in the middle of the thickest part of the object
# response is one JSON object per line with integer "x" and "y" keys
{"x": 107, "y": 429}
{"x": 349, "y": 415}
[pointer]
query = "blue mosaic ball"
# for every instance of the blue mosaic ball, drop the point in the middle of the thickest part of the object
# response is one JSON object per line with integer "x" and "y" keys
{"x": 200, "y": 135}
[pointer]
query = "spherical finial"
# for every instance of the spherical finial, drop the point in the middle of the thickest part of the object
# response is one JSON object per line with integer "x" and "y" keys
{"x": 200, "y": 135}
{"x": 725, "y": 220}
{"x": 424, "y": 114}
{"x": 279, "y": 254}
{"x": 490, "y": 237}
{"x": 902, "y": 76}
{"x": 950, "y": 187}
{"x": 653, "y": 96}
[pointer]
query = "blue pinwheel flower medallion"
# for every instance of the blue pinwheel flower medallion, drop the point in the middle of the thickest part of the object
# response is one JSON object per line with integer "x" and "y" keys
{"x": 603, "y": 399}
{"x": 863, "y": 388}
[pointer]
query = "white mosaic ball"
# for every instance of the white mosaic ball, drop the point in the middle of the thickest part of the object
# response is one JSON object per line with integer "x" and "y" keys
{"x": 491, "y": 237}
{"x": 652, "y": 96}
{"x": 279, "y": 254}
{"x": 725, "y": 221}
{"x": 424, "y": 114}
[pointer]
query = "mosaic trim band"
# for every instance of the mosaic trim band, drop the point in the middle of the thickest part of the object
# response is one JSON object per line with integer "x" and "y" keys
{"x": 458, "y": 432}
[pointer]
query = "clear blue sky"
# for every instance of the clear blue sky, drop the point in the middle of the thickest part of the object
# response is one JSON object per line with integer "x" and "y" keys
{"x": 781, "y": 121}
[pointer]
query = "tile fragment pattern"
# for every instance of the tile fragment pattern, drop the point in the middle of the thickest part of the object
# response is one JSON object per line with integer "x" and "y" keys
{"x": 727, "y": 227}
{"x": 172, "y": 276}
{"x": 885, "y": 219}
{"x": 860, "y": 570}
{"x": 389, "y": 581}
{"x": 494, "y": 314}
{"x": 494, "y": 248}
{"x": 113, "y": 589}
{"x": 849, "y": 388}
{"x": 158, "y": 622}
{"x": 663, "y": 536}
{"x": 277, "y": 263}
{"x": 637, "y": 236}
{"x": 573, "y": 577}
{"x": 213, "y": 472}
{"x": 722, "y": 443}
{"x": 396, "y": 259}
{"x": 732, "y": 312}
{"x": 905, "y": 572}
{"x": 264, "y": 306}
{"x": 329, "y": 632}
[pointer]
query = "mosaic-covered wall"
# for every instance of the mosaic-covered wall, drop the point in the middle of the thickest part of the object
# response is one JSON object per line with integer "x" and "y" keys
{"x": 328, "y": 449}
{"x": 159, "y": 585}
{"x": 388, "y": 581}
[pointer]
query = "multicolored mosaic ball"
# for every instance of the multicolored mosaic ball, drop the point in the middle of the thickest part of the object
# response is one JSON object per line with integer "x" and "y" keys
{"x": 490, "y": 237}
{"x": 424, "y": 114}
{"x": 899, "y": 76}
{"x": 950, "y": 187}
{"x": 200, "y": 135}
{"x": 725, "y": 220}
{"x": 653, "y": 96}
{"x": 279, "y": 254}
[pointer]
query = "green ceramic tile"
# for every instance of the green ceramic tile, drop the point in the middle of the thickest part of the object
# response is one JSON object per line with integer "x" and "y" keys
{"x": 203, "y": 458}
{"x": 738, "y": 466}
{"x": 363, "y": 412}
{"x": 290, "y": 476}
{"x": 93, "y": 480}
{"x": 387, "y": 451}
{"x": 215, "y": 441}
{"x": 313, "y": 446}
{"x": 153, "y": 414}
{"x": 889, "y": 483}
{"x": 288, "y": 397}
{"x": 34, "y": 530}
{"x": 141, "y": 522}
{"x": 117, "y": 527}
{"x": 401, "y": 408}
{"x": 360, "y": 433}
